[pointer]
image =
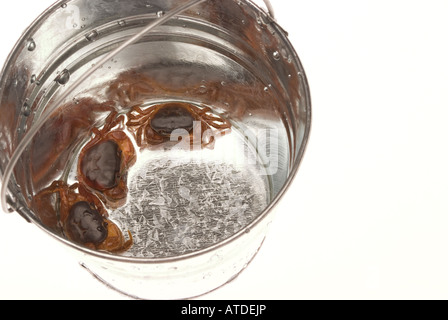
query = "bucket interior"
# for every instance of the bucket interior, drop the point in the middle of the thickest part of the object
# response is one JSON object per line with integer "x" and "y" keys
{"x": 224, "y": 56}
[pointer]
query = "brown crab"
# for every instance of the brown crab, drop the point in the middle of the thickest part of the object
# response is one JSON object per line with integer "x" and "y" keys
{"x": 156, "y": 125}
{"x": 82, "y": 216}
{"x": 104, "y": 162}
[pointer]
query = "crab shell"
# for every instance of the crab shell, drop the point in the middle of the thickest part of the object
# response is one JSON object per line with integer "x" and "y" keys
{"x": 115, "y": 196}
{"x": 142, "y": 126}
{"x": 68, "y": 197}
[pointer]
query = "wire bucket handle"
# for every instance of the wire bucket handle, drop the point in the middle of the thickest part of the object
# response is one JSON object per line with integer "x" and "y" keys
{"x": 270, "y": 8}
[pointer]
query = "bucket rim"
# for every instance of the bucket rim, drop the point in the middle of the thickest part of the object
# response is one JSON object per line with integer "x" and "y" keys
{"x": 30, "y": 217}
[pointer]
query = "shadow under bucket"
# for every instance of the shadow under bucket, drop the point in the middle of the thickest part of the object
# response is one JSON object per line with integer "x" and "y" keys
{"x": 158, "y": 161}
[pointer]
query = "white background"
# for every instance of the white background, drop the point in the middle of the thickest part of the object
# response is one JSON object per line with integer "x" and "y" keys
{"x": 367, "y": 216}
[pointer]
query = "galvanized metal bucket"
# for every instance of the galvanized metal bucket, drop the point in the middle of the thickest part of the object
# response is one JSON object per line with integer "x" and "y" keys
{"x": 81, "y": 58}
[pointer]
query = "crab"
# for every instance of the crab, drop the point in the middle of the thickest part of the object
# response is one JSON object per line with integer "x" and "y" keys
{"x": 104, "y": 162}
{"x": 82, "y": 217}
{"x": 162, "y": 122}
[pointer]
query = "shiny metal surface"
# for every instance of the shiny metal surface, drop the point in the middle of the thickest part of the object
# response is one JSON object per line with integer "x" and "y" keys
{"x": 72, "y": 36}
